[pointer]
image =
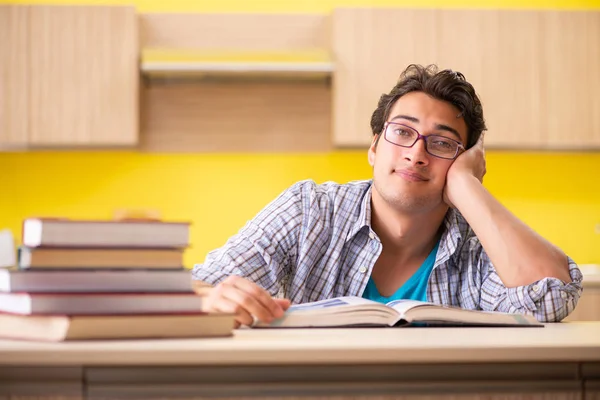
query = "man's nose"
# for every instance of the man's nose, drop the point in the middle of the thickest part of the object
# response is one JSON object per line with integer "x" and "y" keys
{"x": 417, "y": 154}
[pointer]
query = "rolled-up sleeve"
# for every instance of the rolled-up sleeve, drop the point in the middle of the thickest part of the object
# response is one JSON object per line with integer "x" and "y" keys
{"x": 549, "y": 299}
{"x": 260, "y": 251}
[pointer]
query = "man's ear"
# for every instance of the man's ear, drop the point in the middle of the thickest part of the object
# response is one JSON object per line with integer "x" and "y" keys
{"x": 373, "y": 149}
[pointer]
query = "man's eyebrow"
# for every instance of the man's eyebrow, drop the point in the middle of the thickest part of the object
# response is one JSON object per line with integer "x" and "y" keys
{"x": 439, "y": 127}
{"x": 407, "y": 117}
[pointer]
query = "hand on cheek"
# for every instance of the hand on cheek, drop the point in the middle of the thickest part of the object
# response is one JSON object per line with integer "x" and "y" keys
{"x": 469, "y": 164}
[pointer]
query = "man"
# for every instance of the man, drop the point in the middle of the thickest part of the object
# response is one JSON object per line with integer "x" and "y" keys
{"x": 424, "y": 228}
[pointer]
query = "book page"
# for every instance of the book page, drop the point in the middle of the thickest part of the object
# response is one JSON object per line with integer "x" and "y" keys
{"x": 402, "y": 306}
{"x": 335, "y": 302}
{"x": 7, "y": 249}
{"x": 420, "y": 311}
{"x": 339, "y": 311}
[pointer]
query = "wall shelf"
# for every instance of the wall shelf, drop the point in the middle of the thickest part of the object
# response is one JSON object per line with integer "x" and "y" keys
{"x": 307, "y": 70}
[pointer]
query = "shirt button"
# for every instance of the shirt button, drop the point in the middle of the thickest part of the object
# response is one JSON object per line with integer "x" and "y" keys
{"x": 563, "y": 295}
{"x": 362, "y": 270}
{"x": 536, "y": 288}
{"x": 371, "y": 235}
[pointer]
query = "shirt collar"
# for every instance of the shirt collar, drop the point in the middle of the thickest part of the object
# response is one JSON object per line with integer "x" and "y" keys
{"x": 451, "y": 235}
{"x": 364, "y": 215}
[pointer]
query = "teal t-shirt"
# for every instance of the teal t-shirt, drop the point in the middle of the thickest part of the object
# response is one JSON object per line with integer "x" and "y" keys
{"x": 415, "y": 288}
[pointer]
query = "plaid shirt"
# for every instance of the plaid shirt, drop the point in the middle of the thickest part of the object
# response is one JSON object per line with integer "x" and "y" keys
{"x": 315, "y": 242}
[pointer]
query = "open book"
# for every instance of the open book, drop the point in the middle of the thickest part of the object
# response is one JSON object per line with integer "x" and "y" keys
{"x": 356, "y": 311}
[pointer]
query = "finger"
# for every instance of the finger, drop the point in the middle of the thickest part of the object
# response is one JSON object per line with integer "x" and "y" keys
{"x": 225, "y": 305}
{"x": 283, "y": 303}
{"x": 259, "y": 294}
{"x": 247, "y": 302}
{"x": 217, "y": 301}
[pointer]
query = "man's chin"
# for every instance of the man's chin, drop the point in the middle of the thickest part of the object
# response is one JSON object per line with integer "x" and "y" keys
{"x": 414, "y": 204}
{"x": 407, "y": 198}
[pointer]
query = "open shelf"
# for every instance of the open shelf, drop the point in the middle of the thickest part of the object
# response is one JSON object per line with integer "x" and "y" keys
{"x": 290, "y": 70}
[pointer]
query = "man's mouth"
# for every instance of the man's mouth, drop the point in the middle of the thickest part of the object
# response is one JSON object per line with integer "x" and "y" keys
{"x": 411, "y": 175}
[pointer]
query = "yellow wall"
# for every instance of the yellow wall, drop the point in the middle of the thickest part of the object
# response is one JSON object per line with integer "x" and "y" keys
{"x": 558, "y": 194}
{"x": 319, "y": 6}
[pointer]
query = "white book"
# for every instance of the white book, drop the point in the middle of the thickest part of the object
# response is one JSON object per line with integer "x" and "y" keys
{"x": 99, "y": 233}
{"x": 89, "y": 280}
{"x": 99, "y": 303}
{"x": 356, "y": 311}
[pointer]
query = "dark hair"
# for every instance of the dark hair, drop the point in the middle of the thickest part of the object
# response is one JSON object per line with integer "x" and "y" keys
{"x": 446, "y": 85}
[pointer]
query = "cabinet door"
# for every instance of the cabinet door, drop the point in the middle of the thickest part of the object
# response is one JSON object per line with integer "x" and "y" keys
{"x": 371, "y": 47}
{"x": 84, "y": 76}
{"x": 41, "y": 383}
{"x": 13, "y": 76}
{"x": 570, "y": 78}
{"x": 591, "y": 377}
{"x": 592, "y": 390}
{"x": 535, "y": 71}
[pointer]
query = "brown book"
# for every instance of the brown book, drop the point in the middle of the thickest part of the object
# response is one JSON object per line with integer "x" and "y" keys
{"x": 57, "y": 257}
{"x": 57, "y": 328}
{"x": 99, "y": 303}
{"x": 43, "y": 232}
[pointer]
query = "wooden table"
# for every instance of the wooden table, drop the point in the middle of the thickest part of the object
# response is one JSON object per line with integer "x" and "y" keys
{"x": 557, "y": 361}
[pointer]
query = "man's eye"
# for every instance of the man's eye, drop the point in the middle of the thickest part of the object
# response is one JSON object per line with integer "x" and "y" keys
{"x": 402, "y": 132}
{"x": 443, "y": 144}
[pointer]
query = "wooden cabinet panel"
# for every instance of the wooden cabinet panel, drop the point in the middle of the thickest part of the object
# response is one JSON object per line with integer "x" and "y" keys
{"x": 13, "y": 76}
{"x": 241, "y": 116}
{"x": 179, "y": 393}
{"x": 83, "y": 76}
{"x": 371, "y": 47}
{"x": 570, "y": 78}
{"x": 384, "y": 381}
{"x": 592, "y": 392}
{"x": 591, "y": 375}
{"x": 533, "y": 70}
{"x": 498, "y": 53}
{"x": 217, "y": 32}
{"x": 588, "y": 307}
{"x": 41, "y": 383}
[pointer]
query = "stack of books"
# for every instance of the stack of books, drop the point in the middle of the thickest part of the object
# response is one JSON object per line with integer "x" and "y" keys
{"x": 103, "y": 280}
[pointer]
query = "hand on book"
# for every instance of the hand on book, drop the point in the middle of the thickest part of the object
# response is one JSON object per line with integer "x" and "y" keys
{"x": 246, "y": 300}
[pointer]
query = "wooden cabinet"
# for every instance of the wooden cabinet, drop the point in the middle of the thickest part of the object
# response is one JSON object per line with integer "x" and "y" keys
{"x": 555, "y": 362}
{"x": 535, "y": 71}
{"x": 69, "y": 75}
{"x": 313, "y": 382}
{"x": 13, "y": 76}
{"x": 71, "y": 78}
{"x": 194, "y": 102}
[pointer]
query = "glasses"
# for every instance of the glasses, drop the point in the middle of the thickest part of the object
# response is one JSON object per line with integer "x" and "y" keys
{"x": 436, "y": 145}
